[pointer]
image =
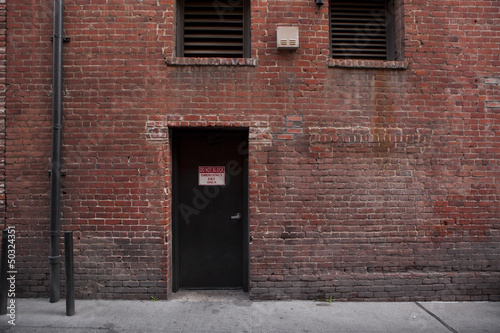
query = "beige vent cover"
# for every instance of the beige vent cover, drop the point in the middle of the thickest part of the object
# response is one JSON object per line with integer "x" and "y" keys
{"x": 288, "y": 37}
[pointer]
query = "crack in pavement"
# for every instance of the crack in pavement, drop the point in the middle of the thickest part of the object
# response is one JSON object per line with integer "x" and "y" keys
{"x": 451, "y": 329}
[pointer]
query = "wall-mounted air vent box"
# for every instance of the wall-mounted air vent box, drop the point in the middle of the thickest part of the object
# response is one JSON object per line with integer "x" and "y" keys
{"x": 288, "y": 37}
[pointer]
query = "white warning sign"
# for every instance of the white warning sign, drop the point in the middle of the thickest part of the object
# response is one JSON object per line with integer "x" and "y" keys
{"x": 211, "y": 175}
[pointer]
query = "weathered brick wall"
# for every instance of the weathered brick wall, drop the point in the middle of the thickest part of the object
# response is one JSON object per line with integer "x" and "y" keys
{"x": 3, "y": 71}
{"x": 368, "y": 180}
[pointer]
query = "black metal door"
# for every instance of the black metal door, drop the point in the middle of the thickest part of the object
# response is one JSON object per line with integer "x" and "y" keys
{"x": 210, "y": 209}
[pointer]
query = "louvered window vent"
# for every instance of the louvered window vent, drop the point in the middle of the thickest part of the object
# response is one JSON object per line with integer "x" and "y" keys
{"x": 359, "y": 29}
{"x": 214, "y": 28}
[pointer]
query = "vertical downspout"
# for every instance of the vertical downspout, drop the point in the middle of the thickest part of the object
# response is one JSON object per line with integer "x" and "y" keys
{"x": 55, "y": 175}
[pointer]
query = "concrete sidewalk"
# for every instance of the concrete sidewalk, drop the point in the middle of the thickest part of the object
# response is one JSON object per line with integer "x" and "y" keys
{"x": 234, "y": 312}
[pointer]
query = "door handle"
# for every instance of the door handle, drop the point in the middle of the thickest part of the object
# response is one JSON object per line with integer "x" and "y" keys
{"x": 236, "y": 217}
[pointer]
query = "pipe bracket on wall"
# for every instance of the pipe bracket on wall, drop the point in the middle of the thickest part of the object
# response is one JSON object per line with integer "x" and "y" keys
{"x": 64, "y": 39}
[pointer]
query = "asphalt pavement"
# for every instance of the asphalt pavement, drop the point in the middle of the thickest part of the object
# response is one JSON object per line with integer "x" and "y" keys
{"x": 235, "y": 312}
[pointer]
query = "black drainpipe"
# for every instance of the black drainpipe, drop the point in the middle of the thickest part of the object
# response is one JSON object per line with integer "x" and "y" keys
{"x": 55, "y": 171}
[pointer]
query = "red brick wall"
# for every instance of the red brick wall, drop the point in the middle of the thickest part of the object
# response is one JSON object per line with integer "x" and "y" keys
{"x": 3, "y": 70}
{"x": 368, "y": 180}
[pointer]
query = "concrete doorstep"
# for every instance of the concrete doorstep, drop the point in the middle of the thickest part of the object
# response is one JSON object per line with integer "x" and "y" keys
{"x": 234, "y": 312}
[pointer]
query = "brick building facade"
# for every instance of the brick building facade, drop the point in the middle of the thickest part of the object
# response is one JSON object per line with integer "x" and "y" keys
{"x": 364, "y": 178}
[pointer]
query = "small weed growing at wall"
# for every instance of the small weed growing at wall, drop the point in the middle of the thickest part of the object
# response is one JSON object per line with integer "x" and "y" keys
{"x": 329, "y": 300}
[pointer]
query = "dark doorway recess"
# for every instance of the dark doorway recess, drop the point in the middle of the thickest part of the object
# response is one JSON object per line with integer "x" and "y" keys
{"x": 210, "y": 208}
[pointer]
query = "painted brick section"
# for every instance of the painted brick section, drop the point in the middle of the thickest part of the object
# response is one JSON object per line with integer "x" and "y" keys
{"x": 368, "y": 180}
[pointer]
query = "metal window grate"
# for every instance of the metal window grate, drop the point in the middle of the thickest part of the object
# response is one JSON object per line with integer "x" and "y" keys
{"x": 358, "y": 29}
{"x": 214, "y": 28}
